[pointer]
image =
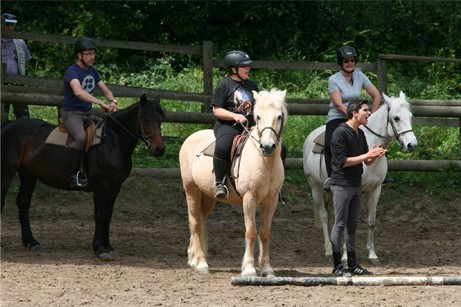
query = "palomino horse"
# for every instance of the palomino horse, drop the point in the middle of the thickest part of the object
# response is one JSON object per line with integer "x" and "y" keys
{"x": 107, "y": 165}
{"x": 258, "y": 176}
{"x": 391, "y": 120}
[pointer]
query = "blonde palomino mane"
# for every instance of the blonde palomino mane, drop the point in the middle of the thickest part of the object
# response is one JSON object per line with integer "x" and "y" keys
{"x": 274, "y": 98}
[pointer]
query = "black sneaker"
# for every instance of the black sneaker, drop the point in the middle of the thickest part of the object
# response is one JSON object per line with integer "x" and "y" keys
{"x": 340, "y": 270}
{"x": 358, "y": 270}
{"x": 221, "y": 191}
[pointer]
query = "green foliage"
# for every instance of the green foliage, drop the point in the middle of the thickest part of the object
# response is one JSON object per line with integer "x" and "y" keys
{"x": 277, "y": 30}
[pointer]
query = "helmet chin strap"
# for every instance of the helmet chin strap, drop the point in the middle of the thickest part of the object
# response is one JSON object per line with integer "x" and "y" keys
{"x": 236, "y": 73}
{"x": 351, "y": 73}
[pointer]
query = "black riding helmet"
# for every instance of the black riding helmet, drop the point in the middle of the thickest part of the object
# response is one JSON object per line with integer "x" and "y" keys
{"x": 236, "y": 58}
{"x": 84, "y": 44}
{"x": 345, "y": 52}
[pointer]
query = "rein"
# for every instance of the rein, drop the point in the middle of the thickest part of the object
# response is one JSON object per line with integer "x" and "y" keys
{"x": 396, "y": 134}
{"x": 144, "y": 137}
{"x": 277, "y": 134}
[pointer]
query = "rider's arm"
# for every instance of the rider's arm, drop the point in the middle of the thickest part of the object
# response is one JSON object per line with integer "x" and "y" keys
{"x": 108, "y": 94}
{"x": 374, "y": 93}
{"x": 85, "y": 96}
{"x": 227, "y": 115}
{"x": 337, "y": 101}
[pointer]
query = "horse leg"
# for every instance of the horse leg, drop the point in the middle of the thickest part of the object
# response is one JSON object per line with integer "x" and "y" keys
{"x": 251, "y": 235}
{"x": 321, "y": 199}
{"x": 23, "y": 199}
{"x": 104, "y": 200}
{"x": 267, "y": 213}
{"x": 371, "y": 200}
{"x": 6, "y": 181}
{"x": 199, "y": 207}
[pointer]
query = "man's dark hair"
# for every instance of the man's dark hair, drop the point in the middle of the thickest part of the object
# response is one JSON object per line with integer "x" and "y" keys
{"x": 354, "y": 106}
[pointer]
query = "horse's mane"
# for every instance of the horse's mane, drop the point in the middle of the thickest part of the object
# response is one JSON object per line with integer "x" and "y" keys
{"x": 397, "y": 103}
{"x": 273, "y": 98}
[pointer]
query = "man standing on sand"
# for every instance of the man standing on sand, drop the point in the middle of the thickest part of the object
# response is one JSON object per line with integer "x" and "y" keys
{"x": 15, "y": 56}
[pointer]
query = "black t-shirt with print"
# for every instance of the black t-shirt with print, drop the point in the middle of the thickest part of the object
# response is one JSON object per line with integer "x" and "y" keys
{"x": 236, "y": 97}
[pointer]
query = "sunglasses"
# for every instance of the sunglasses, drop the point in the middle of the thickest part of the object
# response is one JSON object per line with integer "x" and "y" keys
{"x": 346, "y": 61}
{"x": 90, "y": 53}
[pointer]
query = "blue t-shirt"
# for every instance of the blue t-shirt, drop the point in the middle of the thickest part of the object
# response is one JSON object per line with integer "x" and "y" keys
{"x": 348, "y": 91}
{"x": 88, "y": 79}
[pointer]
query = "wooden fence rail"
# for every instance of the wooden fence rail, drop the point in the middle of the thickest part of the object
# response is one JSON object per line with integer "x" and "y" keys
{"x": 43, "y": 91}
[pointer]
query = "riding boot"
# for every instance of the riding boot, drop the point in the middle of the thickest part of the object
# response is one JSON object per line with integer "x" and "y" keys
{"x": 220, "y": 170}
{"x": 326, "y": 185}
{"x": 336, "y": 259}
{"x": 328, "y": 165}
{"x": 77, "y": 177}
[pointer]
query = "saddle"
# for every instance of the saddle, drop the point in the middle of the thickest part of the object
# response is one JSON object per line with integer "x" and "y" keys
{"x": 61, "y": 137}
{"x": 319, "y": 144}
{"x": 237, "y": 146}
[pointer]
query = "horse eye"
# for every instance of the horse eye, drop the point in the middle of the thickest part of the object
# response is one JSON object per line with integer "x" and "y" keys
{"x": 396, "y": 118}
{"x": 258, "y": 118}
{"x": 280, "y": 117}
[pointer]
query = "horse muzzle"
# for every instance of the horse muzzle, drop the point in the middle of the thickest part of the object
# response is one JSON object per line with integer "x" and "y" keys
{"x": 267, "y": 149}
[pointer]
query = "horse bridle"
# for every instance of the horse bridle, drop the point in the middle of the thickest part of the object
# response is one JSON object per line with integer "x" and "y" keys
{"x": 396, "y": 134}
{"x": 260, "y": 132}
{"x": 144, "y": 137}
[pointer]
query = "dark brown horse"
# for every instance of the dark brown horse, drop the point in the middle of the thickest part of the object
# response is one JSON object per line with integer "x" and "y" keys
{"x": 106, "y": 165}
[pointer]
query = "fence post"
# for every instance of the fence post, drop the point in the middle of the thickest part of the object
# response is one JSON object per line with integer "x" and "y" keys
{"x": 207, "y": 66}
{"x": 382, "y": 75}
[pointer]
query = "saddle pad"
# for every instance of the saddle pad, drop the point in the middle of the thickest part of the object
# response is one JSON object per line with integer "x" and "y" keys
{"x": 319, "y": 143}
{"x": 56, "y": 137}
{"x": 237, "y": 145}
{"x": 209, "y": 151}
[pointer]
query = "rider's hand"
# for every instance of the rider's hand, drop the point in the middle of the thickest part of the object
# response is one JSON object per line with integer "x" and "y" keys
{"x": 240, "y": 118}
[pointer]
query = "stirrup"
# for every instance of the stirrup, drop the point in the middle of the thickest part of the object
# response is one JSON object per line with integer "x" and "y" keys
{"x": 221, "y": 191}
{"x": 82, "y": 181}
{"x": 78, "y": 180}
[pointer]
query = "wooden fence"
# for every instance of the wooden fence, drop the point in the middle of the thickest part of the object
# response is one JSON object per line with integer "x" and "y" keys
{"x": 44, "y": 91}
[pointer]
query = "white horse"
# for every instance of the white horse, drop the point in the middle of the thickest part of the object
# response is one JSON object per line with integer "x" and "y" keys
{"x": 259, "y": 176}
{"x": 391, "y": 120}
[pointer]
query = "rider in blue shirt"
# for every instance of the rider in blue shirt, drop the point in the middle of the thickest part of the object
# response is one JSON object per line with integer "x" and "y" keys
{"x": 80, "y": 81}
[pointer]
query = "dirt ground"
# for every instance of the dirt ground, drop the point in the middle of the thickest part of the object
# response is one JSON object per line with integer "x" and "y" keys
{"x": 417, "y": 235}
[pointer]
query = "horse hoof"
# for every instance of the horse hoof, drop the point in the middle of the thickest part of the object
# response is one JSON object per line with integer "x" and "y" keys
{"x": 374, "y": 261}
{"x": 202, "y": 269}
{"x": 249, "y": 273}
{"x": 268, "y": 274}
{"x": 35, "y": 248}
{"x": 106, "y": 256}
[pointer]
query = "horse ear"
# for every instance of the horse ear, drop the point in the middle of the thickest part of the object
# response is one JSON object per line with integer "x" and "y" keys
{"x": 402, "y": 95}
{"x": 255, "y": 95}
{"x": 143, "y": 100}
{"x": 387, "y": 100}
{"x": 284, "y": 94}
